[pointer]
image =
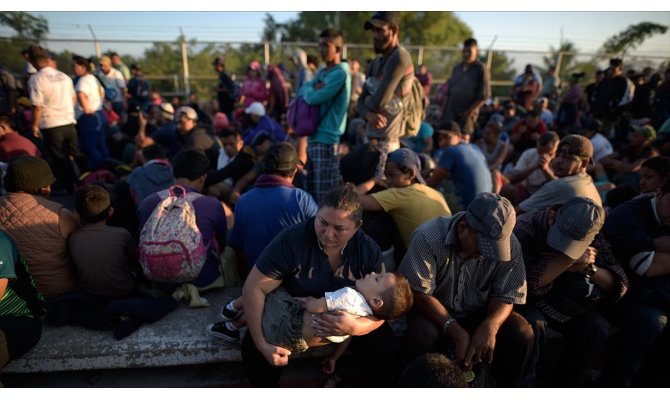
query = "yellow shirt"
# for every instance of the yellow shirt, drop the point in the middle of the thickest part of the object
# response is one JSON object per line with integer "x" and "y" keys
{"x": 411, "y": 206}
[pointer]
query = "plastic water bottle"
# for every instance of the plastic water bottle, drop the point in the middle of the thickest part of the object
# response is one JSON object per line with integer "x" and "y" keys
{"x": 394, "y": 106}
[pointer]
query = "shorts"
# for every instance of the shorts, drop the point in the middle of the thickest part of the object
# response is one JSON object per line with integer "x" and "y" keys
{"x": 282, "y": 321}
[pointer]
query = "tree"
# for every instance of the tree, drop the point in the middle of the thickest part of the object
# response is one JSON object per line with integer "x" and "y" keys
{"x": 501, "y": 70}
{"x": 26, "y": 25}
{"x": 438, "y": 28}
{"x": 630, "y": 38}
{"x": 568, "y": 61}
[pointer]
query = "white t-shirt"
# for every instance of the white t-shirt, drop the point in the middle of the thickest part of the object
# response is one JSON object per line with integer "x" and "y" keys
{"x": 114, "y": 85}
{"x": 88, "y": 85}
{"x": 601, "y": 147}
{"x": 349, "y": 300}
{"x": 54, "y": 92}
{"x": 536, "y": 178}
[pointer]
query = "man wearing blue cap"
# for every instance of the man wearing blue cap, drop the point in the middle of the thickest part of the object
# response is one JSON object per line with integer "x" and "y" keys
{"x": 408, "y": 199}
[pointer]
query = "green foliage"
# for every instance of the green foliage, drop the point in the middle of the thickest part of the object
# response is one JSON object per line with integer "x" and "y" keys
{"x": 27, "y": 26}
{"x": 501, "y": 70}
{"x": 630, "y": 38}
{"x": 439, "y": 28}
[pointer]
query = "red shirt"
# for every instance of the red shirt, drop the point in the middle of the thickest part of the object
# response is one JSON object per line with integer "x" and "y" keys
{"x": 13, "y": 145}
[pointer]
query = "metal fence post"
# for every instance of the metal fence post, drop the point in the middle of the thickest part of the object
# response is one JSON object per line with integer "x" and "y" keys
{"x": 184, "y": 60}
{"x": 419, "y": 60}
{"x": 98, "y": 53}
{"x": 559, "y": 60}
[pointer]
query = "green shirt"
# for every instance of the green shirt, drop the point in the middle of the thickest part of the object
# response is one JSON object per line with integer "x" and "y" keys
{"x": 21, "y": 297}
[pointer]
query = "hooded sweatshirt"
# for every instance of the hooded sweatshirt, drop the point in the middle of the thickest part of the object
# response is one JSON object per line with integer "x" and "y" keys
{"x": 150, "y": 178}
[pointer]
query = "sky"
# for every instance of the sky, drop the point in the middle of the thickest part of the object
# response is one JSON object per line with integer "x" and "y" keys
{"x": 532, "y": 31}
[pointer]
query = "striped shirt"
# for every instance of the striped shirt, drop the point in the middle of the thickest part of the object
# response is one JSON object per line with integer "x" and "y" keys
{"x": 21, "y": 297}
{"x": 433, "y": 266}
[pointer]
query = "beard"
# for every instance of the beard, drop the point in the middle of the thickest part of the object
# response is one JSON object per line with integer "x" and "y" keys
{"x": 381, "y": 44}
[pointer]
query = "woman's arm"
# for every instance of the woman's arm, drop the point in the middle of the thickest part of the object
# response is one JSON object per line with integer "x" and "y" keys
{"x": 3, "y": 287}
{"x": 255, "y": 289}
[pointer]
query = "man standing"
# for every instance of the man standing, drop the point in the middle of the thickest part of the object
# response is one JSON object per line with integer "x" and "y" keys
{"x": 469, "y": 87}
{"x": 388, "y": 85}
{"x": 115, "y": 86}
{"x": 121, "y": 66}
{"x": 225, "y": 88}
{"x": 53, "y": 97}
{"x": 466, "y": 272}
{"x": 7, "y": 90}
{"x": 330, "y": 89}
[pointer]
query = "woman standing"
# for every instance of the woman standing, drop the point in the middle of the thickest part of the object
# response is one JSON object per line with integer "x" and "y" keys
{"x": 91, "y": 121}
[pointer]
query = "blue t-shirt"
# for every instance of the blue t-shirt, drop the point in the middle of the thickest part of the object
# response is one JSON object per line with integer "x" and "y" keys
{"x": 425, "y": 132}
{"x": 468, "y": 169}
{"x": 262, "y": 213}
{"x": 294, "y": 256}
{"x": 266, "y": 126}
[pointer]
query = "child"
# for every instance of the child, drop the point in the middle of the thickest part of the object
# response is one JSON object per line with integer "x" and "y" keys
{"x": 104, "y": 256}
{"x": 107, "y": 266}
{"x": 653, "y": 174}
{"x": 287, "y": 320}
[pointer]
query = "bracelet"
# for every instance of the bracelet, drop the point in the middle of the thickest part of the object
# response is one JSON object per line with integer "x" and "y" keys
{"x": 448, "y": 322}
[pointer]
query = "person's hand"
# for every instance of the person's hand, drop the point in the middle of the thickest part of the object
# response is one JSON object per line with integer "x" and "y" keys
{"x": 544, "y": 162}
{"x": 334, "y": 323}
{"x": 482, "y": 344}
{"x": 275, "y": 355}
{"x": 234, "y": 197}
{"x": 461, "y": 340}
{"x": 589, "y": 257}
{"x": 376, "y": 120}
{"x": 381, "y": 183}
{"x": 319, "y": 85}
{"x": 36, "y": 131}
{"x": 328, "y": 365}
{"x": 142, "y": 119}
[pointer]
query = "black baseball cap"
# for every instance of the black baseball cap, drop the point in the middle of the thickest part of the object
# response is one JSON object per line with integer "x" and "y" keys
{"x": 382, "y": 18}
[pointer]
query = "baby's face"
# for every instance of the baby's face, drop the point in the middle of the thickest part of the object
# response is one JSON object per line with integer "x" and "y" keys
{"x": 373, "y": 285}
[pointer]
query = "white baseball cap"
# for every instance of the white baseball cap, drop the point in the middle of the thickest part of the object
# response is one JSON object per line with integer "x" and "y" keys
{"x": 256, "y": 108}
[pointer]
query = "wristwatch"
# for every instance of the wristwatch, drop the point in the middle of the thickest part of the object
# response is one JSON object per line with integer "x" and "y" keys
{"x": 590, "y": 271}
{"x": 448, "y": 322}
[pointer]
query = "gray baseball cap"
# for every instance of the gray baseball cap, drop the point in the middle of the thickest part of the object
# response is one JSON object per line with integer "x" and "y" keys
{"x": 409, "y": 159}
{"x": 493, "y": 217}
{"x": 576, "y": 224}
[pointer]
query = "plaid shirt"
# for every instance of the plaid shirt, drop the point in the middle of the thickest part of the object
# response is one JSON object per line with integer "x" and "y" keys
{"x": 433, "y": 266}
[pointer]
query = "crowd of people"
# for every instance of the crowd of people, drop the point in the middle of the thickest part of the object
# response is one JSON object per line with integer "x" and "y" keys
{"x": 483, "y": 227}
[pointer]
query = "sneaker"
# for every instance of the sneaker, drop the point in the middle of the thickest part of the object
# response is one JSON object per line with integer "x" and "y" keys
{"x": 229, "y": 313}
{"x": 224, "y": 330}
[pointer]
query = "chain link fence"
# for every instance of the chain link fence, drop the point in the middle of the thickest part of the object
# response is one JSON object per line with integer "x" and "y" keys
{"x": 182, "y": 67}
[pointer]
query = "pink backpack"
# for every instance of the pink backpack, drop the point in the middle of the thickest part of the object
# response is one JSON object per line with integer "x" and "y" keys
{"x": 171, "y": 247}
